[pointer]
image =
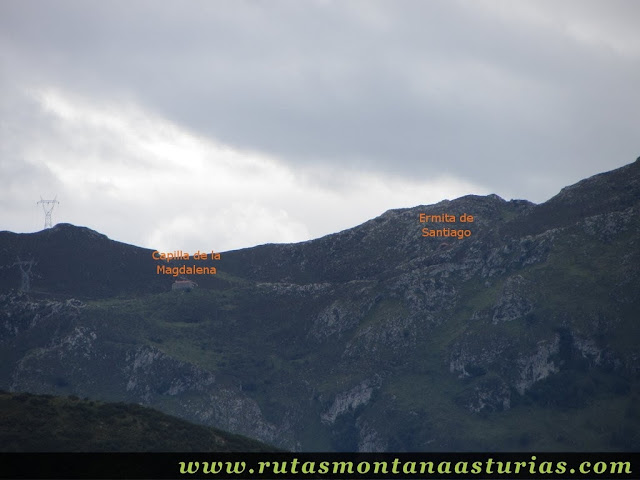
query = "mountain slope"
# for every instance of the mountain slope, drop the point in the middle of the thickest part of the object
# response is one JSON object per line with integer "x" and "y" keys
{"x": 523, "y": 335}
{"x": 43, "y": 423}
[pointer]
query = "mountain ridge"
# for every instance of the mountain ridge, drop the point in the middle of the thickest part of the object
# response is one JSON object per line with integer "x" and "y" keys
{"x": 528, "y": 212}
{"x": 521, "y": 336}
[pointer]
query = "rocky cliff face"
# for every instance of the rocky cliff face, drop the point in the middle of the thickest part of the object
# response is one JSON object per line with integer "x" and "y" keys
{"x": 377, "y": 338}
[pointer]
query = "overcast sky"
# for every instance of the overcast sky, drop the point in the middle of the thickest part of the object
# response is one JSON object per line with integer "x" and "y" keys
{"x": 226, "y": 124}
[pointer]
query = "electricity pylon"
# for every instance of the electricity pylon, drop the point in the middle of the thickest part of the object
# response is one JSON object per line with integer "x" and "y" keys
{"x": 25, "y": 269}
{"x": 47, "y": 206}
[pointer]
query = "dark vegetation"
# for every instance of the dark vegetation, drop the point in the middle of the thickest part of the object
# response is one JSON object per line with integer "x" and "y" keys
{"x": 44, "y": 423}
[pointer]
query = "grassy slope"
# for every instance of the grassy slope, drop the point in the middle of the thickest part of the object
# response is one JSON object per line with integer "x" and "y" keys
{"x": 581, "y": 410}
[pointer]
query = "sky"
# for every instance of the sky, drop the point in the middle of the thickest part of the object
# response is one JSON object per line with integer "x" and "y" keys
{"x": 218, "y": 125}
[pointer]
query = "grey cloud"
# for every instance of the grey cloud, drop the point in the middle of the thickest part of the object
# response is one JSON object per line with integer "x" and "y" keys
{"x": 403, "y": 88}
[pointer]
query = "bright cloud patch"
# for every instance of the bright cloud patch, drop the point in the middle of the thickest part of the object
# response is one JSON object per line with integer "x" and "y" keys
{"x": 144, "y": 180}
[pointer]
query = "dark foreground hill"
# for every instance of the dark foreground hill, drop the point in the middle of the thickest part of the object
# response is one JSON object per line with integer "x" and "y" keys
{"x": 522, "y": 335}
{"x": 44, "y": 423}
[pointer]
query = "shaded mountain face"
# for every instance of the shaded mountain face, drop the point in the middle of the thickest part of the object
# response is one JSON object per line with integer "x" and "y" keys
{"x": 522, "y": 335}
